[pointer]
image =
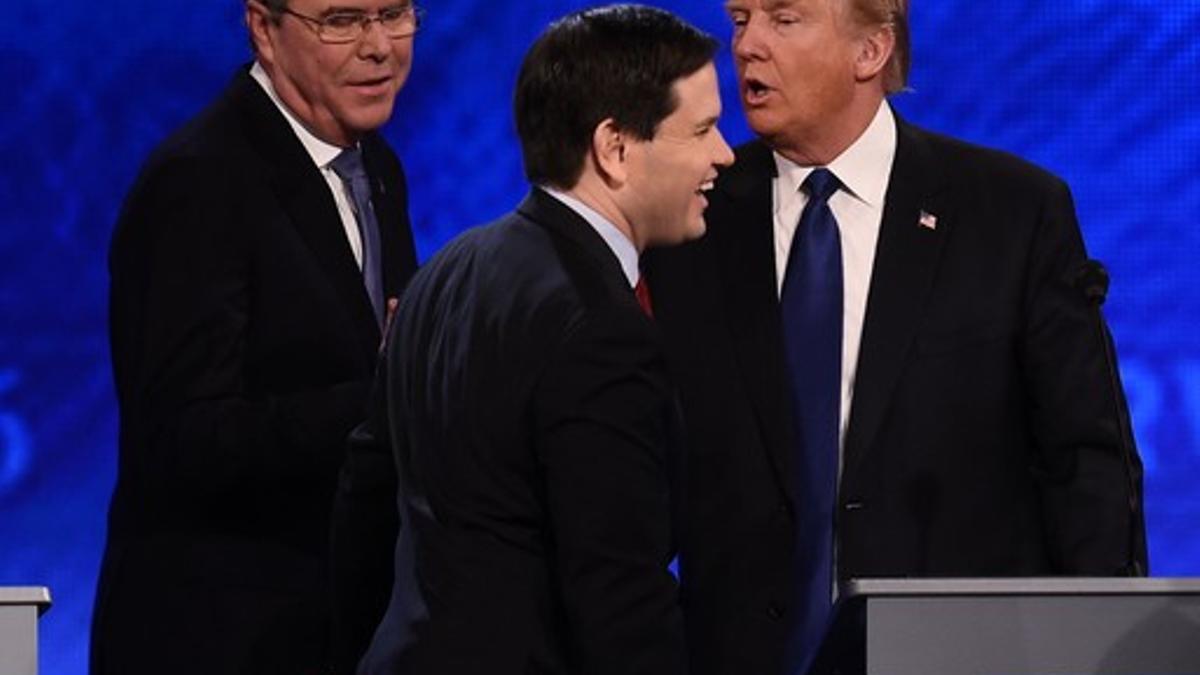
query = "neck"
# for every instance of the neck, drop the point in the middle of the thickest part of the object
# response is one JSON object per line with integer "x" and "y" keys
{"x": 822, "y": 146}
{"x": 293, "y": 99}
{"x": 590, "y": 190}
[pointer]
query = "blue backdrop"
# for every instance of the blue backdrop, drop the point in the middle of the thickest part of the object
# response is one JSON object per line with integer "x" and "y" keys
{"x": 1102, "y": 92}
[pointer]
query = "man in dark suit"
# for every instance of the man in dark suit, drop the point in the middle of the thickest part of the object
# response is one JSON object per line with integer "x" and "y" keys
{"x": 910, "y": 385}
{"x": 250, "y": 271}
{"x": 525, "y": 395}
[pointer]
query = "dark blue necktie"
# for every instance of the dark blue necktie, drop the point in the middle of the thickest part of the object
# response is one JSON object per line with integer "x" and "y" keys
{"x": 349, "y": 167}
{"x": 811, "y": 309}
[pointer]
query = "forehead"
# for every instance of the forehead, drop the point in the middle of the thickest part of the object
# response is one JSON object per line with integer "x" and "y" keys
{"x": 326, "y": 6}
{"x": 773, "y": 5}
{"x": 698, "y": 96}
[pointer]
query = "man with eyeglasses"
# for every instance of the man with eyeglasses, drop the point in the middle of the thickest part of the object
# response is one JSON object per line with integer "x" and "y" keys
{"x": 251, "y": 273}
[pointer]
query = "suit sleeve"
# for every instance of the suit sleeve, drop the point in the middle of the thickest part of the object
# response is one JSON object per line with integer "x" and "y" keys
{"x": 181, "y": 317}
{"x": 602, "y": 412}
{"x": 1078, "y": 412}
{"x": 365, "y": 525}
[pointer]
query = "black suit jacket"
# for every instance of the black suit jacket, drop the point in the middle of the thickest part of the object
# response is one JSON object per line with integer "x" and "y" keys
{"x": 983, "y": 437}
{"x": 527, "y": 404}
{"x": 243, "y": 345}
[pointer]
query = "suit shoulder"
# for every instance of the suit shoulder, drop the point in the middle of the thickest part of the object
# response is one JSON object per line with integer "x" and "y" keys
{"x": 518, "y": 269}
{"x": 217, "y": 130}
{"x": 503, "y": 261}
{"x": 970, "y": 162}
{"x": 203, "y": 159}
{"x": 198, "y": 178}
{"x": 198, "y": 163}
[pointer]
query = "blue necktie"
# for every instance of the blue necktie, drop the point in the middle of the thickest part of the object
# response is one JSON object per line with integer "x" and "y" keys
{"x": 349, "y": 167}
{"x": 811, "y": 309}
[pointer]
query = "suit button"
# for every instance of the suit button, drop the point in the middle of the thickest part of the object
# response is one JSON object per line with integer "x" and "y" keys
{"x": 782, "y": 509}
{"x": 774, "y": 611}
{"x": 853, "y": 505}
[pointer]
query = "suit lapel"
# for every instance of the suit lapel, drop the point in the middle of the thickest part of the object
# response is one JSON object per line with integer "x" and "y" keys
{"x": 304, "y": 196}
{"x": 906, "y": 263}
{"x": 746, "y": 247}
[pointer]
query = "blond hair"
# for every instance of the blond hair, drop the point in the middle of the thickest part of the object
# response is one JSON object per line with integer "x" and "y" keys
{"x": 894, "y": 14}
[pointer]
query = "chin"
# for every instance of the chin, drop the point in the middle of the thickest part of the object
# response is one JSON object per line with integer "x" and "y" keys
{"x": 762, "y": 123}
{"x": 366, "y": 122}
{"x": 695, "y": 231}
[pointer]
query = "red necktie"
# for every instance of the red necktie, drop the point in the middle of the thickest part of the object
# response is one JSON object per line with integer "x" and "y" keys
{"x": 642, "y": 291}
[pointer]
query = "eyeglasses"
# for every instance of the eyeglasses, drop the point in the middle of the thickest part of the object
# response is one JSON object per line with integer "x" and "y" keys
{"x": 340, "y": 27}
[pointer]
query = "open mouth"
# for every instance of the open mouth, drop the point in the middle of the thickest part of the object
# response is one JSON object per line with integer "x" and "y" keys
{"x": 755, "y": 90}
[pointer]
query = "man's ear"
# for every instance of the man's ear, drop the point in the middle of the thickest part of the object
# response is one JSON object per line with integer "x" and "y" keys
{"x": 258, "y": 20}
{"x": 875, "y": 50}
{"x": 609, "y": 150}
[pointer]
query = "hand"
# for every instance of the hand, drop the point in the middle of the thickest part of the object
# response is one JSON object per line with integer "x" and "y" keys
{"x": 389, "y": 314}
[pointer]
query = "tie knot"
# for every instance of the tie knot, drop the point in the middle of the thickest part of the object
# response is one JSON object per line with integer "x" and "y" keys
{"x": 821, "y": 184}
{"x": 349, "y": 165}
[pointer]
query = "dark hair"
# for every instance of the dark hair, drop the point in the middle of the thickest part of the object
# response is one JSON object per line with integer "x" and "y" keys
{"x": 617, "y": 62}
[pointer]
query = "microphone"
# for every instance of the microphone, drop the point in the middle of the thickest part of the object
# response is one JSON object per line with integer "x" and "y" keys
{"x": 1091, "y": 280}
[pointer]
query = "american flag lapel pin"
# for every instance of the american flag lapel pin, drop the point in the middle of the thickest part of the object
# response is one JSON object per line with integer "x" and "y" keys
{"x": 927, "y": 220}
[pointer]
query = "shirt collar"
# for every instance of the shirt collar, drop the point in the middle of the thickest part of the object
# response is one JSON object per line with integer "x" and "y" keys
{"x": 617, "y": 242}
{"x": 863, "y": 168}
{"x": 322, "y": 153}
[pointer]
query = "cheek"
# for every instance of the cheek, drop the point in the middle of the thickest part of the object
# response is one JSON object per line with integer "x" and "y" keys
{"x": 322, "y": 74}
{"x": 680, "y": 180}
{"x": 403, "y": 69}
{"x": 402, "y": 51}
{"x": 336, "y": 66}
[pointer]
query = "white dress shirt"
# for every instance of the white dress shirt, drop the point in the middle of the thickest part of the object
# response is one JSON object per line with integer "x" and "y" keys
{"x": 322, "y": 154}
{"x": 863, "y": 169}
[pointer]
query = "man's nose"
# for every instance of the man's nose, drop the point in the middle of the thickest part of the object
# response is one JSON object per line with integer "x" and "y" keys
{"x": 724, "y": 154}
{"x": 374, "y": 42}
{"x": 748, "y": 44}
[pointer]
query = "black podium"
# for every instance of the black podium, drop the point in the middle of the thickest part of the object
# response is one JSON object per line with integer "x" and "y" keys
{"x": 1055, "y": 626}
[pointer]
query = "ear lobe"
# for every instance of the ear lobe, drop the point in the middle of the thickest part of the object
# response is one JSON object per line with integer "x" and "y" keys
{"x": 875, "y": 51}
{"x": 608, "y": 149}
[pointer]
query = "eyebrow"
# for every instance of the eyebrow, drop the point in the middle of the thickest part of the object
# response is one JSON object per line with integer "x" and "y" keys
{"x": 345, "y": 9}
{"x": 341, "y": 9}
{"x": 768, "y": 5}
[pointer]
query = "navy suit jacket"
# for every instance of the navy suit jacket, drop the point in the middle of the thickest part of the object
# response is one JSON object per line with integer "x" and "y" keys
{"x": 984, "y": 437}
{"x": 526, "y": 403}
